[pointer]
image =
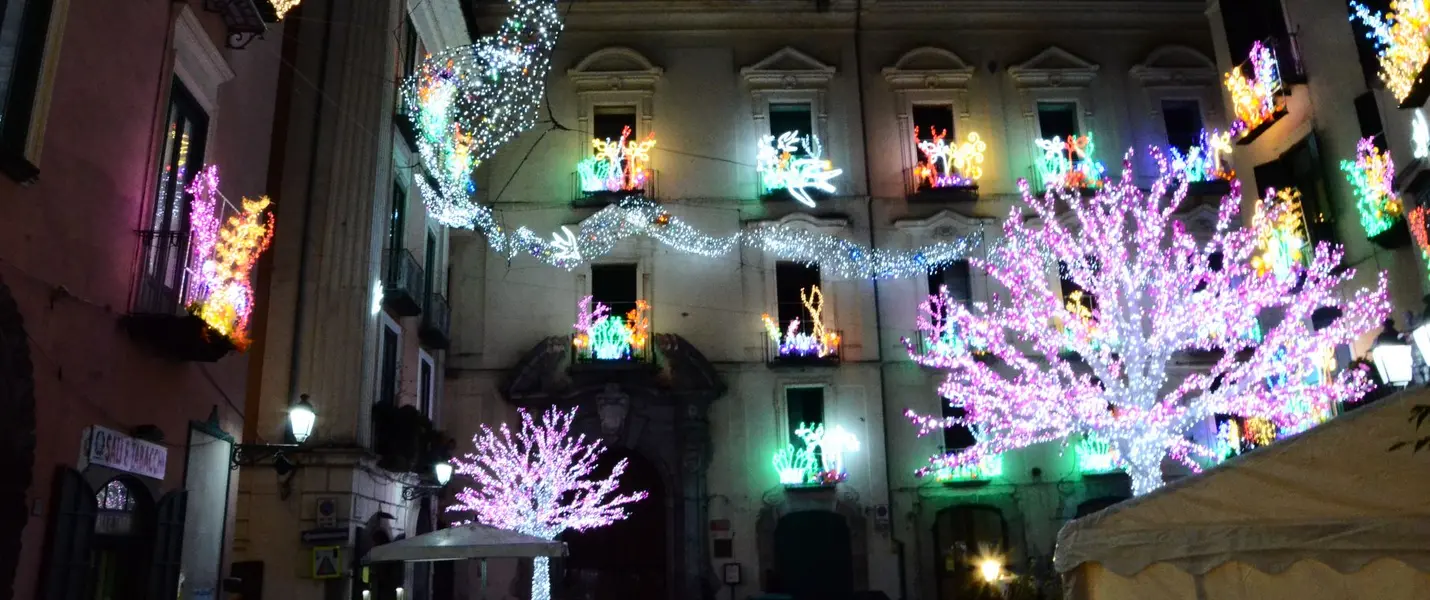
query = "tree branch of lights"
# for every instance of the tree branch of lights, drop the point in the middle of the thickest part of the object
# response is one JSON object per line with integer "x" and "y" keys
{"x": 1402, "y": 42}
{"x": 538, "y": 482}
{"x": 1156, "y": 294}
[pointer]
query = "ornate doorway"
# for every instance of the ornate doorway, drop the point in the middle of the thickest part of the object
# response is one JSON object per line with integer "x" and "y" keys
{"x": 814, "y": 556}
{"x": 626, "y": 560}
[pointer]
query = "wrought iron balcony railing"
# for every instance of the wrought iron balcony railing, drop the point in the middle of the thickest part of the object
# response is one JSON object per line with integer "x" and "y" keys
{"x": 436, "y": 323}
{"x": 402, "y": 281}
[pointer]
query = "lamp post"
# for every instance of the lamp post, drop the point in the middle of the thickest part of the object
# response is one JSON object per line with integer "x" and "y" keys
{"x": 301, "y": 419}
{"x": 441, "y": 473}
{"x": 1392, "y": 356}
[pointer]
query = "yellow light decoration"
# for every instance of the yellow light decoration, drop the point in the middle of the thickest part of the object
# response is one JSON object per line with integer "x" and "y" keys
{"x": 946, "y": 164}
{"x": 1402, "y": 39}
{"x": 1282, "y": 239}
{"x": 228, "y": 274}
{"x": 1255, "y": 100}
{"x": 1259, "y": 431}
{"x": 281, "y": 7}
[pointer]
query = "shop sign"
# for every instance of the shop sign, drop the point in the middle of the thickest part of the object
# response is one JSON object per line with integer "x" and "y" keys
{"x": 118, "y": 451}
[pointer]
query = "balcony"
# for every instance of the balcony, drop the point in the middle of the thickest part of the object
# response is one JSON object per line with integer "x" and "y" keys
{"x": 918, "y": 189}
{"x": 610, "y": 341}
{"x": 402, "y": 283}
{"x": 949, "y": 170}
{"x": 591, "y": 191}
{"x": 792, "y": 168}
{"x": 803, "y": 349}
{"x": 1070, "y": 163}
{"x": 435, "y": 331}
{"x": 1258, "y": 100}
{"x": 159, "y": 316}
{"x": 247, "y": 20}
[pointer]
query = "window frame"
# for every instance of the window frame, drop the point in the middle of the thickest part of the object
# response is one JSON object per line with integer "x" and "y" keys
{"x": 35, "y": 58}
{"x": 387, "y": 323}
{"x": 786, "y": 428}
{"x": 914, "y": 84}
{"x": 427, "y": 385}
{"x": 1200, "y": 111}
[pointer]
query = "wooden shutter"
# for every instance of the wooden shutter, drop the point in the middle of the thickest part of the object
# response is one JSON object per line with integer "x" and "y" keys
{"x": 71, "y": 543}
{"x": 168, "y": 546}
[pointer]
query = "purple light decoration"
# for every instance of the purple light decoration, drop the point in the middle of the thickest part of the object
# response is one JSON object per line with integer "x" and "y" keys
{"x": 538, "y": 482}
{"x": 203, "y": 227}
{"x": 1154, "y": 287}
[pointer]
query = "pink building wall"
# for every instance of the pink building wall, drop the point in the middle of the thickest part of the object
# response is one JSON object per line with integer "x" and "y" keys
{"x": 68, "y": 247}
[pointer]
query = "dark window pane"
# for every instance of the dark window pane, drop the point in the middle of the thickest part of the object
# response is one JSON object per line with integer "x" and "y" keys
{"x": 615, "y": 286}
{"x": 182, "y": 158}
{"x": 1057, "y": 120}
{"x": 387, "y": 385}
{"x": 1251, "y": 21}
{"x": 397, "y": 220}
{"x": 24, "y": 27}
{"x": 1184, "y": 123}
{"x": 1368, "y": 117}
{"x": 409, "y": 47}
{"x": 957, "y": 437}
{"x": 430, "y": 266}
{"x": 790, "y": 280}
{"x": 805, "y": 406}
{"x": 1069, "y": 286}
{"x": 790, "y": 117}
{"x": 424, "y": 380}
{"x": 932, "y": 119}
{"x": 957, "y": 277}
{"x": 611, "y": 121}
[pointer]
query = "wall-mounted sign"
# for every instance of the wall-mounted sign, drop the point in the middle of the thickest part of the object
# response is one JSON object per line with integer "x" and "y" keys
{"x": 103, "y": 446}
{"x": 732, "y": 573}
{"x": 327, "y": 562}
{"x": 327, "y": 512}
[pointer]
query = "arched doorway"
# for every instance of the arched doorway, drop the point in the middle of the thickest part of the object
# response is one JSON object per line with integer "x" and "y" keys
{"x": 963, "y": 537}
{"x": 17, "y": 435}
{"x": 814, "y": 557}
{"x": 122, "y": 536}
{"x": 625, "y": 560}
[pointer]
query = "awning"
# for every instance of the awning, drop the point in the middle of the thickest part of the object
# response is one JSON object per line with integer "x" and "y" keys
{"x": 463, "y": 542}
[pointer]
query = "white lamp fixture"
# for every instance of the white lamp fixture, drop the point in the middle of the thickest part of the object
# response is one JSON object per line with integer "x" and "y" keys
{"x": 301, "y": 418}
{"x": 443, "y": 471}
{"x": 1392, "y": 356}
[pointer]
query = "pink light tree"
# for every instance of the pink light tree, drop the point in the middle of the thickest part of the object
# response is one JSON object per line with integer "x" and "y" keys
{"x": 537, "y": 482}
{"x": 1103, "y": 368}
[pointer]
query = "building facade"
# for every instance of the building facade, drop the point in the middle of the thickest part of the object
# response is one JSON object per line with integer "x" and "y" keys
{"x": 121, "y": 407}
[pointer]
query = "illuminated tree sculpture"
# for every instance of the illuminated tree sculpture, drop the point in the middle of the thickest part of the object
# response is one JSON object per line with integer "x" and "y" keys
{"x": 1103, "y": 369}
{"x": 537, "y": 482}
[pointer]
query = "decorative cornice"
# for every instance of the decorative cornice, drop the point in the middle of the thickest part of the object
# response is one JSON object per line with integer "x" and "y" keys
{"x": 1053, "y": 68}
{"x": 810, "y": 72}
{"x": 198, "y": 58}
{"x": 953, "y": 73}
{"x": 1175, "y": 66}
{"x": 614, "y": 69}
{"x": 800, "y": 220}
{"x": 959, "y": 221}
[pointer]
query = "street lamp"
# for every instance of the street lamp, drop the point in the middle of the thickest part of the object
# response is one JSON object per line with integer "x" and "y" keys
{"x": 441, "y": 472}
{"x": 1392, "y": 356}
{"x": 301, "y": 419}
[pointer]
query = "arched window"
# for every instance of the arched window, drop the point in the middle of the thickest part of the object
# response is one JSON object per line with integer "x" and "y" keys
{"x": 963, "y": 537}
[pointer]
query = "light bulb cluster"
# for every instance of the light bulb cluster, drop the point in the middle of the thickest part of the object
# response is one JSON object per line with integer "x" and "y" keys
{"x": 1206, "y": 160}
{"x": 1070, "y": 163}
{"x": 220, "y": 286}
{"x": 1372, "y": 174}
{"x": 539, "y": 481}
{"x": 819, "y": 342}
{"x": 794, "y": 164}
{"x": 617, "y": 166}
{"x": 282, "y": 7}
{"x": 1256, "y": 100}
{"x": 1095, "y": 456}
{"x": 819, "y": 460}
{"x": 1402, "y": 41}
{"x": 604, "y": 336}
{"x": 949, "y": 164}
{"x": 1156, "y": 287}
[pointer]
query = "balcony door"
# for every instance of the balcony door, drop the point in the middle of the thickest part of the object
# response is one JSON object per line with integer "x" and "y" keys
{"x": 166, "y": 241}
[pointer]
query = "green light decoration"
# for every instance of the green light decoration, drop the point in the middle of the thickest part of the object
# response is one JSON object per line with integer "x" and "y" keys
{"x": 610, "y": 340}
{"x": 820, "y": 462}
{"x": 1096, "y": 456}
{"x": 988, "y": 468}
{"x": 1373, "y": 175}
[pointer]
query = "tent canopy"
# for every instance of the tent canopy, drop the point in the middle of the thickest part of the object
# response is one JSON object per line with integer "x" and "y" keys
{"x": 463, "y": 542}
{"x": 1333, "y": 494}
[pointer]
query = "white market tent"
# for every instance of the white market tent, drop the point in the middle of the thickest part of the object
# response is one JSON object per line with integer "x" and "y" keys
{"x": 464, "y": 542}
{"x": 1325, "y": 514}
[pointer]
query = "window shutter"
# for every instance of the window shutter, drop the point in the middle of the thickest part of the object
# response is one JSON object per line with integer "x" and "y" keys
{"x": 71, "y": 538}
{"x": 168, "y": 546}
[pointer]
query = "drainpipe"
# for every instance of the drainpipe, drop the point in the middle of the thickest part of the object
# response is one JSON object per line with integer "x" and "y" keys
{"x": 878, "y": 313}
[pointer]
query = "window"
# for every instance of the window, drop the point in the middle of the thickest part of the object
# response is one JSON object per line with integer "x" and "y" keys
{"x": 1070, "y": 287}
{"x": 610, "y": 121}
{"x": 426, "y": 383}
{"x": 1183, "y": 119}
{"x": 181, "y": 159}
{"x": 1368, "y": 117}
{"x": 958, "y": 437}
{"x": 24, "y": 25}
{"x": 615, "y": 286}
{"x": 1251, "y": 21}
{"x": 957, "y": 277}
{"x": 1057, "y": 120}
{"x": 803, "y": 406}
{"x": 786, "y": 117}
{"x": 429, "y": 259}
{"x": 409, "y": 48}
{"x": 791, "y": 280}
{"x": 930, "y": 119}
{"x": 397, "y": 219}
{"x": 387, "y": 365}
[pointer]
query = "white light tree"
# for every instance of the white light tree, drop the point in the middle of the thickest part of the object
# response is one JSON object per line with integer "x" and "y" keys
{"x": 538, "y": 482}
{"x": 1103, "y": 368}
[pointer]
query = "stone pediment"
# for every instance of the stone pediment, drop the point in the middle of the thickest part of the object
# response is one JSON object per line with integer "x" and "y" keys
{"x": 1054, "y": 67}
{"x": 788, "y": 68}
{"x": 1175, "y": 66}
{"x": 616, "y": 68}
{"x": 807, "y": 222}
{"x": 942, "y": 224}
{"x": 928, "y": 68}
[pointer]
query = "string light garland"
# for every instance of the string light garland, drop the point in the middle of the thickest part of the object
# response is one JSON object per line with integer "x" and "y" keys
{"x": 220, "y": 286}
{"x": 1372, "y": 174}
{"x": 604, "y": 336}
{"x": 1156, "y": 288}
{"x": 820, "y": 460}
{"x": 1402, "y": 42}
{"x": 1255, "y": 101}
{"x": 538, "y": 482}
{"x": 819, "y": 342}
{"x": 949, "y": 165}
{"x": 1069, "y": 163}
{"x": 792, "y": 163}
{"x": 1205, "y": 161}
{"x": 617, "y": 166}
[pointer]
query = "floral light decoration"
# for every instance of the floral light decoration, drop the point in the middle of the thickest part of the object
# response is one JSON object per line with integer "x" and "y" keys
{"x": 1255, "y": 101}
{"x": 1069, "y": 163}
{"x": 821, "y": 459}
{"x": 940, "y": 337}
{"x": 1418, "y": 224}
{"x": 1156, "y": 288}
{"x": 1205, "y": 161}
{"x": 1281, "y": 243}
{"x": 1373, "y": 175}
{"x": 949, "y": 165}
{"x": 793, "y": 163}
{"x": 281, "y": 7}
{"x": 818, "y": 343}
{"x": 540, "y": 482}
{"x": 604, "y": 336}
{"x": 618, "y": 166}
{"x": 1402, "y": 42}
{"x": 1095, "y": 455}
{"x": 221, "y": 284}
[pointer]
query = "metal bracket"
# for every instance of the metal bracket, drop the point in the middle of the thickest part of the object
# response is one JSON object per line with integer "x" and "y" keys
{"x": 247, "y": 455}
